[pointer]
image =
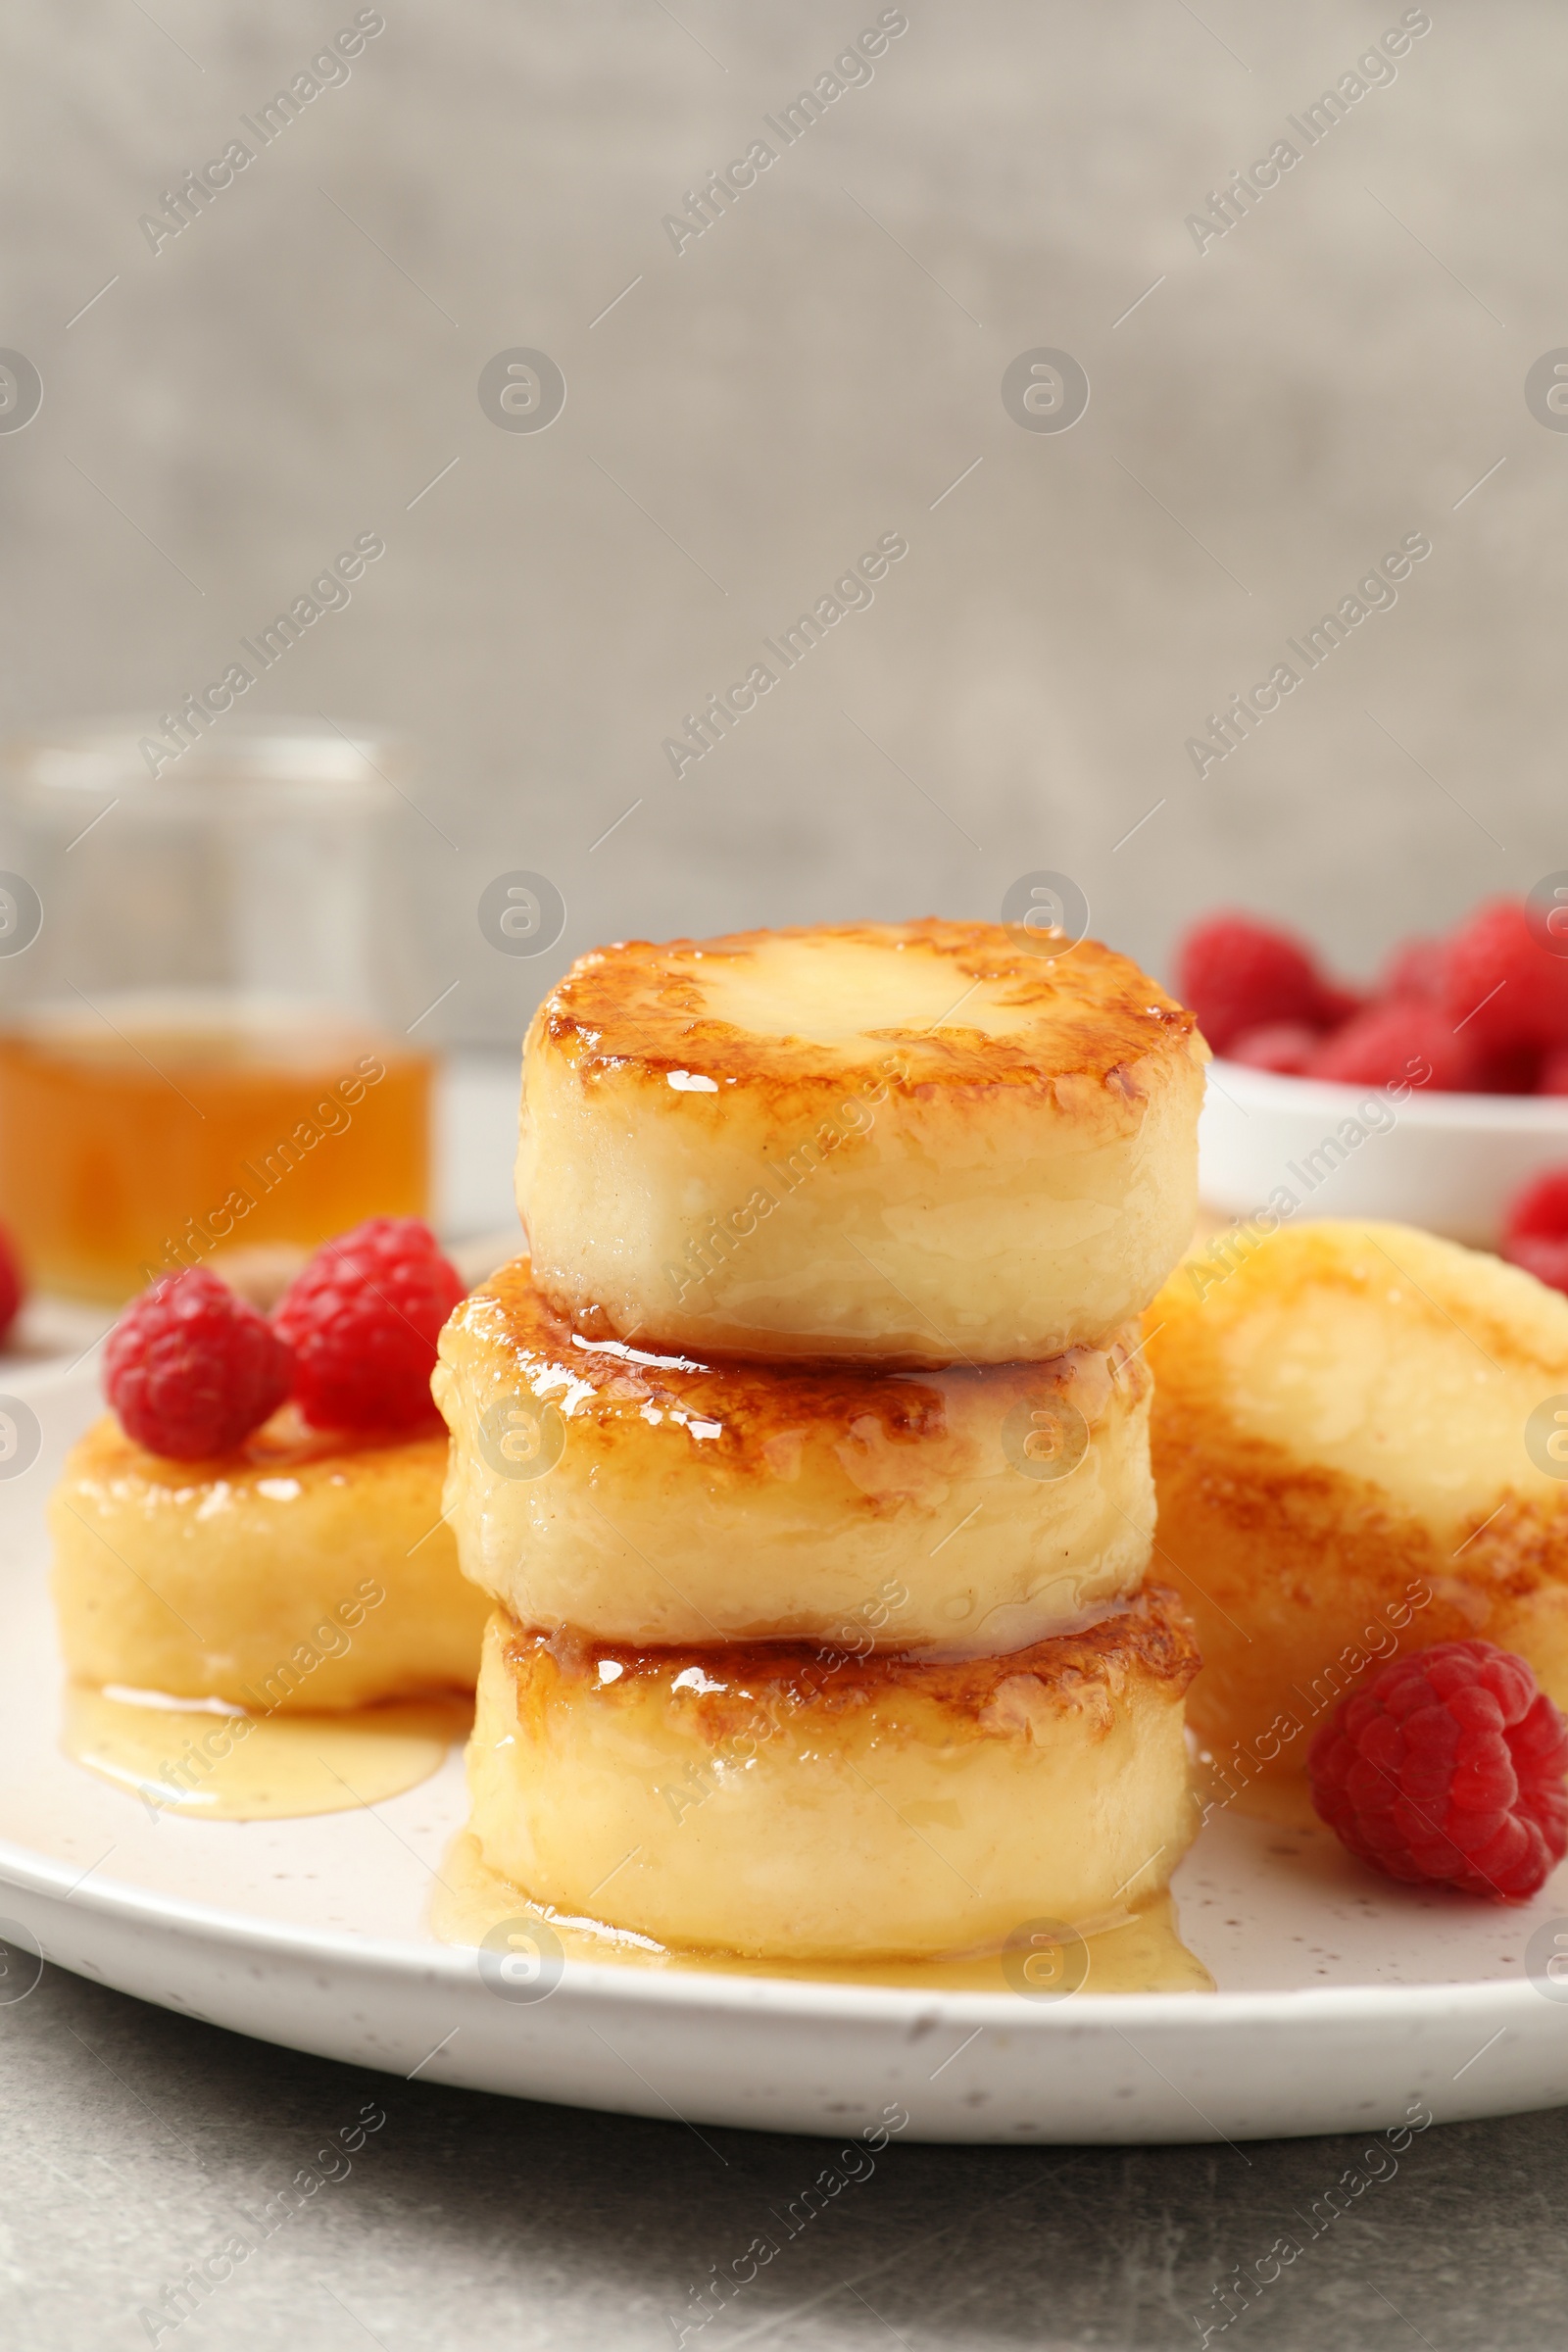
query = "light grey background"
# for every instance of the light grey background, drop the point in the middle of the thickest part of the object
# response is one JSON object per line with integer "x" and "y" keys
{"x": 817, "y": 369}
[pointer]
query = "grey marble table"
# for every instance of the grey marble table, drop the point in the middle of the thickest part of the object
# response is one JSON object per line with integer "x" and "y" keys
{"x": 137, "y": 2144}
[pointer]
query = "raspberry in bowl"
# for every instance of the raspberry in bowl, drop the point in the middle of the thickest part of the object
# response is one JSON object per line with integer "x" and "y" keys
{"x": 257, "y": 1523}
{"x": 1535, "y": 1234}
{"x": 1430, "y": 1098}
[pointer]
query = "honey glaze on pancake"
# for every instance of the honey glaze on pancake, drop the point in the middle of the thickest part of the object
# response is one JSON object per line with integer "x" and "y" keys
{"x": 758, "y": 1413}
{"x": 728, "y": 1688}
{"x": 1136, "y": 1949}
{"x": 284, "y": 1447}
{"x": 214, "y": 1762}
{"x": 1080, "y": 1013}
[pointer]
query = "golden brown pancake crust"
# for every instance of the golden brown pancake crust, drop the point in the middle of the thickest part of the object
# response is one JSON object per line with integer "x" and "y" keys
{"x": 755, "y": 1412}
{"x": 636, "y": 1008}
{"x": 1146, "y": 1641}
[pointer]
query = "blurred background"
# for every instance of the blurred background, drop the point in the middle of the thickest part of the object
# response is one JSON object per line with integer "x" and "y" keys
{"x": 728, "y": 399}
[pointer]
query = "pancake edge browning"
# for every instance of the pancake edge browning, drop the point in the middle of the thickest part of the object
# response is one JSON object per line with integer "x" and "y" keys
{"x": 1142, "y": 1646}
{"x": 634, "y": 1011}
{"x": 753, "y": 1413}
{"x": 285, "y": 1446}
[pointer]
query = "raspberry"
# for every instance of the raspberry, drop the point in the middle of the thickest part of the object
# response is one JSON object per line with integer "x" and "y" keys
{"x": 1535, "y": 1233}
{"x": 191, "y": 1370}
{"x": 1414, "y": 968}
{"x": 12, "y": 1287}
{"x": 363, "y": 1318}
{"x": 1394, "y": 1040}
{"x": 1337, "y": 1004}
{"x": 1238, "y": 974}
{"x": 1283, "y": 1046}
{"x": 1500, "y": 988}
{"x": 1517, "y": 1071}
{"x": 1447, "y": 1769}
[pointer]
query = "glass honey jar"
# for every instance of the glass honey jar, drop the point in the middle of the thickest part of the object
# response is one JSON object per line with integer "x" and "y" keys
{"x": 206, "y": 978}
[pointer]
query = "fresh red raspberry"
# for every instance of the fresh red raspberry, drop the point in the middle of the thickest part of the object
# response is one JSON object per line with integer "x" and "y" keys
{"x": 1535, "y": 1233}
{"x": 1447, "y": 1769}
{"x": 1335, "y": 1004}
{"x": 191, "y": 1370}
{"x": 1516, "y": 1071}
{"x": 1500, "y": 988}
{"x": 1414, "y": 968}
{"x": 1394, "y": 1040}
{"x": 1238, "y": 974}
{"x": 13, "y": 1286}
{"x": 1282, "y": 1046}
{"x": 363, "y": 1318}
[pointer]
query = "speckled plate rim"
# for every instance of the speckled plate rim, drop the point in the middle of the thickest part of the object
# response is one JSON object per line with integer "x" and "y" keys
{"x": 1202, "y": 2013}
{"x": 847, "y": 2061}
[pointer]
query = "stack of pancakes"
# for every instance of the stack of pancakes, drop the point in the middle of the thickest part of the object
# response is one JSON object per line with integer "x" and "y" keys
{"x": 807, "y": 1459}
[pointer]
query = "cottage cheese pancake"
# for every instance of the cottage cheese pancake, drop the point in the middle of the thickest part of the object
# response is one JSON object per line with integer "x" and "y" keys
{"x": 766, "y": 1799}
{"x": 917, "y": 1143}
{"x": 650, "y": 1498}
{"x": 1360, "y": 1445}
{"x": 301, "y": 1572}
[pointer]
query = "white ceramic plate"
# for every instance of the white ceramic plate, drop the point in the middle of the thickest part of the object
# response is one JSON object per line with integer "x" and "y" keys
{"x": 1342, "y": 2003}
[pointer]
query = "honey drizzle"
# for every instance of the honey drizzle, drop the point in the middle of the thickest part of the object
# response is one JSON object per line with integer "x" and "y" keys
{"x": 276, "y": 1767}
{"x": 1140, "y": 1951}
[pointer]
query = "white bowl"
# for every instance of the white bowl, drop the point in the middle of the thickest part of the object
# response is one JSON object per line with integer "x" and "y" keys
{"x": 1450, "y": 1162}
